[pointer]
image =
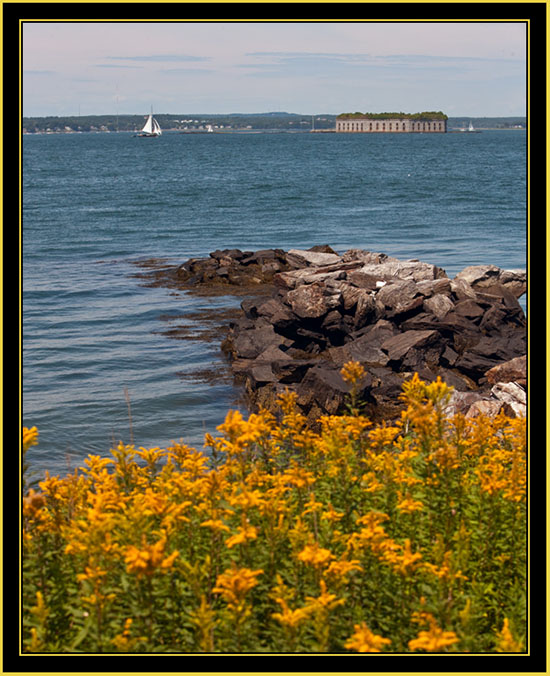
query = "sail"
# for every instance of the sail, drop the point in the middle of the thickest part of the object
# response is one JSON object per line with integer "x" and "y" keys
{"x": 148, "y": 127}
{"x": 151, "y": 127}
{"x": 156, "y": 128}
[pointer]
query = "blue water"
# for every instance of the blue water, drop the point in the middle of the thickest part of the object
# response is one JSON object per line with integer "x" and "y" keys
{"x": 94, "y": 204}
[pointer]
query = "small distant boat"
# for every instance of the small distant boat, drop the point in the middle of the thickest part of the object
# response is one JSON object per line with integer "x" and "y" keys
{"x": 151, "y": 128}
{"x": 470, "y": 129}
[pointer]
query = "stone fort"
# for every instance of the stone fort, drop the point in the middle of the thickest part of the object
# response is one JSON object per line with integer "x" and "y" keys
{"x": 392, "y": 122}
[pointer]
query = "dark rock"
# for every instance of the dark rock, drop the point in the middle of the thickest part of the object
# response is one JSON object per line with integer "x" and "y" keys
{"x": 292, "y": 370}
{"x": 368, "y": 310}
{"x": 406, "y": 311}
{"x": 325, "y": 388}
{"x": 363, "y": 350}
{"x": 469, "y": 308}
{"x": 323, "y": 248}
{"x": 278, "y": 314}
{"x": 449, "y": 356}
{"x": 263, "y": 256}
{"x": 362, "y": 280}
{"x": 248, "y": 344}
{"x": 237, "y": 254}
{"x": 397, "y": 346}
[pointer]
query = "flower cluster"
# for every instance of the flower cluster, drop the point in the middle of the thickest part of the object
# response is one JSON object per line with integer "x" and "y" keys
{"x": 403, "y": 537}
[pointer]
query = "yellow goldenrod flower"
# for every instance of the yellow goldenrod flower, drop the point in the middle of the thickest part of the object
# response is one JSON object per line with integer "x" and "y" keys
{"x": 352, "y": 372}
{"x": 40, "y": 610}
{"x": 299, "y": 477}
{"x": 245, "y": 533}
{"x": 235, "y": 583}
{"x": 506, "y": 641}
{"x": 408, "y": 505}
{"x": 446, "y": 571}
{"x": 288, "y": 617}
{"x": 315, "y": 556}
{"x": 246, "y": 499}
{"x": 123, "y": 641}
{"x": 325, "y": 601}
{"x": 30, "y": 438}
{"x": 434, "y": 639}
{"x": 407, "y": 561}
{"x": 149, "y": 558}
{"x": 331, "y": 515}
{"x": 32, "y": 503}
{"x": 364, "y": 640}
{"x": 341, "y": 568}
{"x": 36, "y": 642}
{"x": 215, "y": 525}
{"x": 91, "y": 573}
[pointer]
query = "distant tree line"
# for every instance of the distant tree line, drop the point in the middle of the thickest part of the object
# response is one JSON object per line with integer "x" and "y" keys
{"x": 431, "y": 115}
{"x": 236, "y": 121}
{"x": 288, "y": 121}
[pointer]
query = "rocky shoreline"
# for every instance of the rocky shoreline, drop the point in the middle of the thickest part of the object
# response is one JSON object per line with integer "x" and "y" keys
{"x": 307, "y": 312}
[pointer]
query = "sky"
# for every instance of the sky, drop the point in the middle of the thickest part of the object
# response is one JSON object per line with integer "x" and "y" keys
{"x": 475, "y": 69}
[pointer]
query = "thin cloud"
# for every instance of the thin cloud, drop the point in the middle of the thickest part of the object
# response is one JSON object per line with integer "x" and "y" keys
{"x": 39, "y": 72}
{"x": 161, "y": 58}
{"x": 115, "y": 65}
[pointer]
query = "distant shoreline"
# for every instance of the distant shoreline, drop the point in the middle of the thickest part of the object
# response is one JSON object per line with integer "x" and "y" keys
{"x": 25, "y": 132}
{"x": 232, "y": 123}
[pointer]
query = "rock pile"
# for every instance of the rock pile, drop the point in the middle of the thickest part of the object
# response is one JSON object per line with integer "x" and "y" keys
{"x": 395, "y": 317}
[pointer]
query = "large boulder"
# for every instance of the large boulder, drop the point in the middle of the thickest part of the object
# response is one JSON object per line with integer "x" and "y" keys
{"x": 512, "y": 371}
{"x": 486, "y": 276}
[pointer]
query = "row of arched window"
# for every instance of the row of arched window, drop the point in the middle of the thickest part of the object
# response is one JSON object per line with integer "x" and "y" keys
{"x": 363, "y": 125}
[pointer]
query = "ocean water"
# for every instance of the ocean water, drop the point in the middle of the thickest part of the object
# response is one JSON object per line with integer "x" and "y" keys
{"x": 99, "y": 364}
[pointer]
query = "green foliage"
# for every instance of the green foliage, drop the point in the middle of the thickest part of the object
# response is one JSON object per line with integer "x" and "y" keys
{"x": 392, "y": 116}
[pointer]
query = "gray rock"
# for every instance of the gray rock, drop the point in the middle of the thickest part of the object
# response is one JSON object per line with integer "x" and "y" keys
{"x": 313, "y": 301}
{"x": 486, "y": 407}
{"x": 314, "y": 258}
{"x": 439, "y": 305}
{"x": 397, "y": 294}
{"x": 513, "y": 395}
{"x": 480, "y": 276}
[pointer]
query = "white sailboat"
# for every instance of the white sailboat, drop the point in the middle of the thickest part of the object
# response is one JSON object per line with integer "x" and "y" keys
{"x": 151, "y": 128}
{"x": 471, "y": 127}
